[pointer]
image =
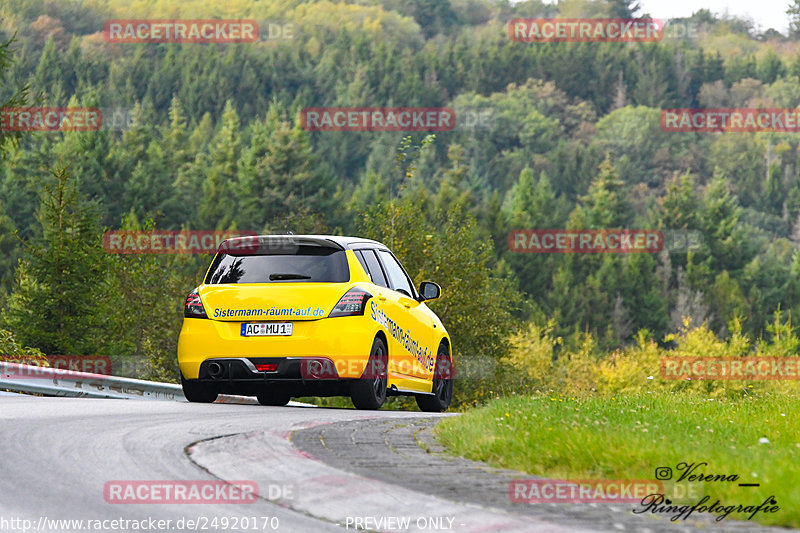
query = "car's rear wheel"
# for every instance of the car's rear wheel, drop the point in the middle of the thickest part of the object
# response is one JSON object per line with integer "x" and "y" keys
{"x": 198, "y": 392}
{"x": 369, "y": 392}
{"x": 439, "y": 401}
{"x": 273, "y": 397}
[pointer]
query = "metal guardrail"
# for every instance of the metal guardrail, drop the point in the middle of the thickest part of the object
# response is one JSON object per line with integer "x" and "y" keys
{"x": 59, "y": 382}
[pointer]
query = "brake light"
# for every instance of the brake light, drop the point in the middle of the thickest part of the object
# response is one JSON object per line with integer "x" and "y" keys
{"x": 353, "y": 303}
{"x": 269, "y": 367}
{"x": 194, "y": 306}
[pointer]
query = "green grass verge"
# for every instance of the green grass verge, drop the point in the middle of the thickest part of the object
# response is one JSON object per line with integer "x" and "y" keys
{"x": 628, "y": 437}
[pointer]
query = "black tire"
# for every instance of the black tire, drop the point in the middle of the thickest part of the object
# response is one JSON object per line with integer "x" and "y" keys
{"x": 439, "y": 401}
{"x": 198, "y": 392}
{"x": 369, "y": 392}
{"x": 273, "y": 397}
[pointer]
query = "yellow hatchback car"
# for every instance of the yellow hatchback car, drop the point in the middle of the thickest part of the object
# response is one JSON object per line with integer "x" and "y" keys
{"x": 281, "y": 316}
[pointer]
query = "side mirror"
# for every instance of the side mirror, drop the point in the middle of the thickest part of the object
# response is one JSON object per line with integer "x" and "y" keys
{"x": 429, "y": 290}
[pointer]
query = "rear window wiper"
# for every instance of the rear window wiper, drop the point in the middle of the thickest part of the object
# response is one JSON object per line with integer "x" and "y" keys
{"x": 274, "y": 277}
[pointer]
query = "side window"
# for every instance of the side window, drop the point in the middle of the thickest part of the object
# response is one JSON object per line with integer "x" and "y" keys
{"x": 360, "y": 258}
{"x": 374, "y": 269}
{"x": 397, "y": 277}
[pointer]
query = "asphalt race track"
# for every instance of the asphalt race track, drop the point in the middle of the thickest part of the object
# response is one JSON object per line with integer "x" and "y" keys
{"x": 316, "y": 470}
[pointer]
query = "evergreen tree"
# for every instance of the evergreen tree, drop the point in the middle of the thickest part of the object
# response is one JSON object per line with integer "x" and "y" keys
{"x": 219, "y": 165}
{"x": 532, "y": 204}
{"x": 49, "y": 75}
{"x": 679, "y": 210}
{"x": 279, "y": 176}
{"x": 144, "y": 331}
{"x": 60, "y": 278}
{"x": 14, "y": 96}
{"x": 623, "y": 8}
{"x": 680, "y": 205}
{"x": 151, "y": 189}
{"x": 92, "y": 163}
{"x": 794, "y": 19}
{"x": 719, "y": 218}
{"x": 606, "y": 205}
{"x": 9, "y": 253}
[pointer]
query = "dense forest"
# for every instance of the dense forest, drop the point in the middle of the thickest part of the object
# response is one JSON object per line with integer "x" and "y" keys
{"x": 548, "y": 135}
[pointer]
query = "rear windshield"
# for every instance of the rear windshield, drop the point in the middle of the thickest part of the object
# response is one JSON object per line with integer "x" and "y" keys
{"x": 307, "y": 264}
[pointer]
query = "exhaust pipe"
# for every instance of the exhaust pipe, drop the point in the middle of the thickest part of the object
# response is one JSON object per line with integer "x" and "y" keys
{"x": 215, "y": 370}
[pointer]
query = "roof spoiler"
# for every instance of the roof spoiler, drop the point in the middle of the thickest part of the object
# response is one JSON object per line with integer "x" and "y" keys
{"x": 273, "y": 244}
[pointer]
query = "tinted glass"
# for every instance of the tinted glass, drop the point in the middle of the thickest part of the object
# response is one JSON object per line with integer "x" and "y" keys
{"x": 397, "y": 278}
{"x": 375, "y": 269}
{"x": 360, "y": 258}
{"x": 309, "y": 263}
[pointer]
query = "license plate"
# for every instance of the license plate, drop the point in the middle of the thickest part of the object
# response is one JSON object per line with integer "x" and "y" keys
{"x": 266, "y": 329}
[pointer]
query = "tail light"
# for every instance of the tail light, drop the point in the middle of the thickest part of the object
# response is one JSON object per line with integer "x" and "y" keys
{"x": 194, "y": 306}
{"x": 353, "y": 303}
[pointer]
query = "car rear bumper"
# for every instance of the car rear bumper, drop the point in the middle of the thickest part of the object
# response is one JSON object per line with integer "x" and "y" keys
{"x": 344, "y": 341}
{"x": 297, "y": 376}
